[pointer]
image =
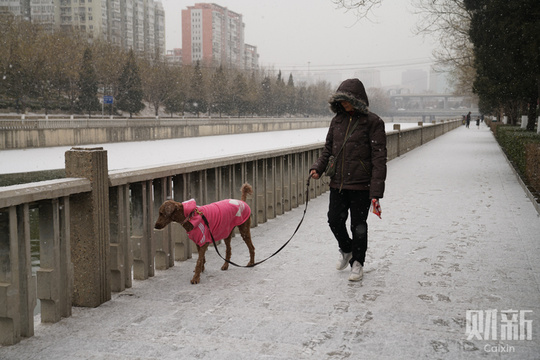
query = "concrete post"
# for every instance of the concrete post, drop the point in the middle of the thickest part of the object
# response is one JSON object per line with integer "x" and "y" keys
{"x": 279, "y": 185}
{"x": 121, "y": 254}
{"x": 197, "y": 190}
{"x": 54, "y": 279}
{"x": 210, "y": 187}
{"x": 314, "y": 155}
{"x": 294, "y": 185}
{"x": 27, "y": 281}
{"x": 252, "y": 178}
{"x": 162, "y": 239}
{"x": 141, "y": 230}
{"x": 90, "y": 227}
{"x": 287, "y": 170}
{"x": 397, "y": 127}
{"x": 271, "y": 202}
{"x": 183, "y": 247}
{"x": 300, "y": 171}
{"x": 261, "y": 190}
{"x": 238, "y": 174}
{"x": 524, "y": 121}
{"x": 538, "y": 126}
{"x": 10, "y": 324}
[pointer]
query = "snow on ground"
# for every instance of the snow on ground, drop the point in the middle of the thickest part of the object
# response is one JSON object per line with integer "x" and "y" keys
{"x": 126, "y": 155}
{"x": 457, "y": 234}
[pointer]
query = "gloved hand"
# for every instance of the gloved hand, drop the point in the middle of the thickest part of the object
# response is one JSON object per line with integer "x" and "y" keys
{"x": 376, "y": 207}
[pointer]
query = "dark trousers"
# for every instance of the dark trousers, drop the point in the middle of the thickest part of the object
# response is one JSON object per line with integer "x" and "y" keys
{"x": 357, "y": 202}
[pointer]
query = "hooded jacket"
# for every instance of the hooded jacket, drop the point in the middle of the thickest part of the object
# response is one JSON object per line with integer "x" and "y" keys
{"x": 361, "y": 165}
{"x": 222, "y": 217}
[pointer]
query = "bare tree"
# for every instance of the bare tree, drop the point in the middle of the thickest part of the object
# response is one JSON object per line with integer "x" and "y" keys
{"x": 362, "y": 8}
{"x": 448, "y": 22}
{"x": 379, "y": 101}
{"x": 157, "y": 82}
{"x": 109, "y": 61}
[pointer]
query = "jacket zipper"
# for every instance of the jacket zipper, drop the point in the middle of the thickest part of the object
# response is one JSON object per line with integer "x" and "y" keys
{"x": 343, "y": 155}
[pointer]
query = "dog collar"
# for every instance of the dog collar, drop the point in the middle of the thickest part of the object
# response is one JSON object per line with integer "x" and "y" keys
{"x": 191, "y": 214}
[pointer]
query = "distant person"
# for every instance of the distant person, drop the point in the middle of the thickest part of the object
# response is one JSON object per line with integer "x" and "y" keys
{"x": 478, "y": 122}
{"x": 468, "y": 120}
{"x": 357, "y": 140}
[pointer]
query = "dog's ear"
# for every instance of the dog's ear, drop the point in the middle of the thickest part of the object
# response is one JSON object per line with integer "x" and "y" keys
{"x": 180, "y": 217}
{"x": 177, "y": 214}
{"x": 167, "y": 208}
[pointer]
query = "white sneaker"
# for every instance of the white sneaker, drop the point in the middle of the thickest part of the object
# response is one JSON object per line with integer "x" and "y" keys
{"x": 357, "y": 271}
{"x": 344, "y": 259}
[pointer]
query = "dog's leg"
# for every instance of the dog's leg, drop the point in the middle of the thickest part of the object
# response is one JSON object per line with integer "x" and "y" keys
{"x": 246, "y": 236}
{"x": 200, "y": 263}
{"x": 227, "y": 251}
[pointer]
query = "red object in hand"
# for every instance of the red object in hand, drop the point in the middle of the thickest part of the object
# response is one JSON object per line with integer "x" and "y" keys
{"x": 376, "y": 207}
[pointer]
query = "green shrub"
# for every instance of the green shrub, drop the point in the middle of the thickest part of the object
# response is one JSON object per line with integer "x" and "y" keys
{"x": 513, "y": 140}
{"x": 6, "y": 104}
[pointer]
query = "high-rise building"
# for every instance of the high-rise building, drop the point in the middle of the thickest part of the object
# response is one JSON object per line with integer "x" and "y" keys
{"x": 132, "y": 24}
{"x": 370, "y": 78}
{"x": 174, "y": 56}
{"x": 251, "y": 57}
{"x": 42, "y": 11}
{"x": 16, "y": 7}
{"x": 215, "y": 35}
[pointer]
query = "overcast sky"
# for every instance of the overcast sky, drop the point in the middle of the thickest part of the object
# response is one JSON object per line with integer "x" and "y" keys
{"x": 317, "y": 35}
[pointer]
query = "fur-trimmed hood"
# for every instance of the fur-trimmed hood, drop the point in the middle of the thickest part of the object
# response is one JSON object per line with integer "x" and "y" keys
{"x": 353, "y": 91}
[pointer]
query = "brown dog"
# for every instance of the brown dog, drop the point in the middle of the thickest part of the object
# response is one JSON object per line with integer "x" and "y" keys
{"x": 223, "y": 216}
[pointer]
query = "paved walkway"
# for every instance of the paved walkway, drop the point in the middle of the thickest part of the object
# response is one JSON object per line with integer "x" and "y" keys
{"x": 458, "y": 233}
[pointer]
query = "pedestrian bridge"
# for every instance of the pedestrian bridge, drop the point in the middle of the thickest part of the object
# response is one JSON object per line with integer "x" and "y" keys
{"x": 458, "y": 234}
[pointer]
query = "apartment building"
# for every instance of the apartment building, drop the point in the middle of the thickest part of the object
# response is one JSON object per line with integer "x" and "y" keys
{"x": 132, "y": 24}
{"x": 214, "y": 34}
{"x": 251, "y": 57}
{"x": 17, "y": 7}
{"x": 174, "y": 56}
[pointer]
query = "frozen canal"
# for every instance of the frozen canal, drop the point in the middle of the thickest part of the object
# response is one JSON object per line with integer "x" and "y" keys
{"x": 457, "y": 245}
{"x": 149, "y": 153}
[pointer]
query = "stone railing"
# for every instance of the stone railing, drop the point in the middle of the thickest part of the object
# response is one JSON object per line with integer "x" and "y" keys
{"x": 96, "y": 227}
{"x": 401, "y": 141}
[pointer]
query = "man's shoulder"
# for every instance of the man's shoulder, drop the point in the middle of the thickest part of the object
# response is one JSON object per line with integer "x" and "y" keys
{"x": 375, "y": 119}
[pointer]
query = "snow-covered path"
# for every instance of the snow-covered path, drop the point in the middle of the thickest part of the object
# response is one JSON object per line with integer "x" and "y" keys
{"x": 458, "y": 233}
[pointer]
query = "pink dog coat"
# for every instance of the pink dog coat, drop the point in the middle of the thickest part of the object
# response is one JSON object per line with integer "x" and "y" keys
{"x": 222, "y": 217}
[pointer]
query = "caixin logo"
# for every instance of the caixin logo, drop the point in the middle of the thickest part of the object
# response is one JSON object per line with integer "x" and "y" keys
{"x": 498, "y": 325}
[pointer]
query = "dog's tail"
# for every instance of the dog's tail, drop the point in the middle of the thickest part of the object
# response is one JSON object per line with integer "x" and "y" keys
{"x": 246, "y": 190}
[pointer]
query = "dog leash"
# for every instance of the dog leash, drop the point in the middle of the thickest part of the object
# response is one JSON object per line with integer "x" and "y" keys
{"x": 281, "y": 248}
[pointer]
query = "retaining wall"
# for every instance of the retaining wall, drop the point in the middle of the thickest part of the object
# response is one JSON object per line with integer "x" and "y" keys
{"x": 31, "y": 133}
